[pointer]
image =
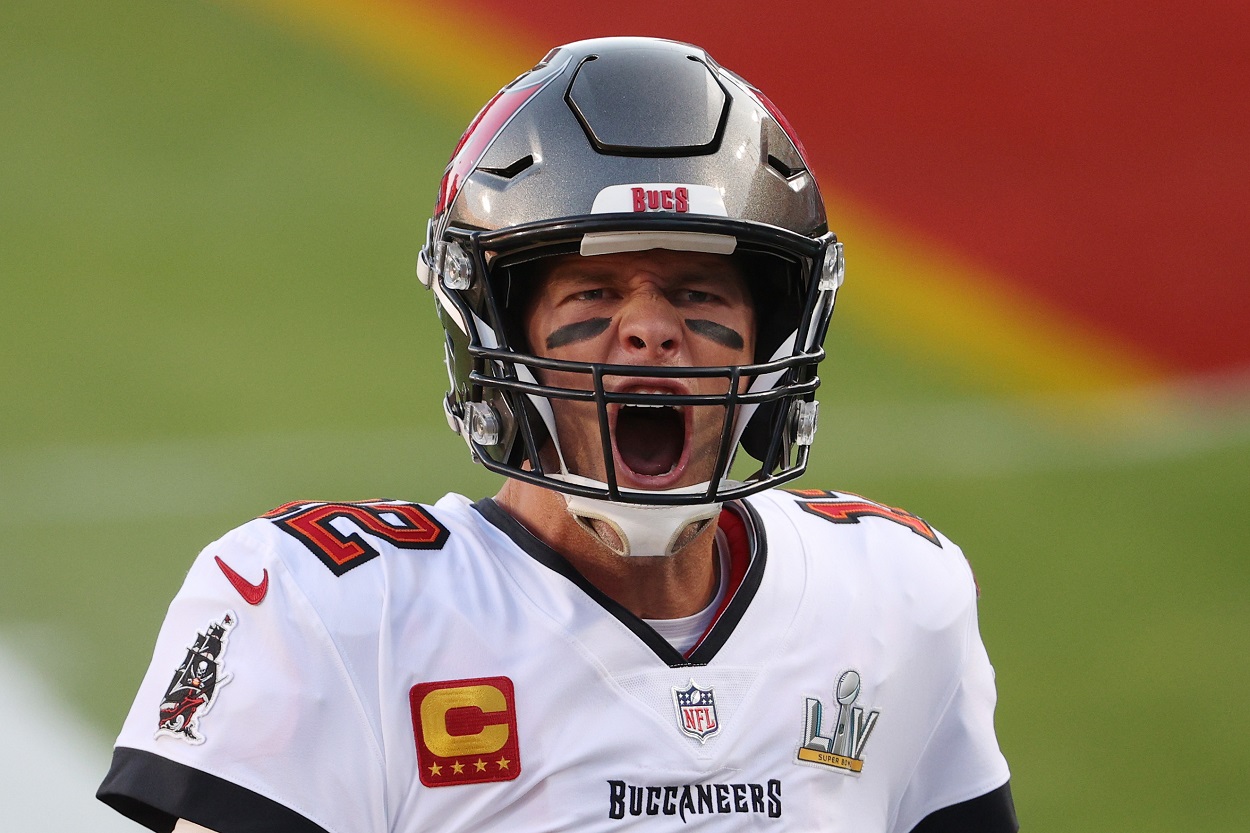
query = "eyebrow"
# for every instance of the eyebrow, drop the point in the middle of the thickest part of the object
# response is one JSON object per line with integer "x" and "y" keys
{"x": 577, "y": 331}
{"x": 716, "y": 332}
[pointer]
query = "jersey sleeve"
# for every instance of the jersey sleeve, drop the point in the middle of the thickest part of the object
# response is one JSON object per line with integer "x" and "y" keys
{"x": 961, "y": 779}
{"x": 250, "y": 715}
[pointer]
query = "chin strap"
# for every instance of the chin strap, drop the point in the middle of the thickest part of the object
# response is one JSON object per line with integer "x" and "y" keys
{"x": 641, "y": 530}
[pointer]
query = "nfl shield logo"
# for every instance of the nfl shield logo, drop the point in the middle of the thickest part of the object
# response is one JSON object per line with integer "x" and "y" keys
{"x": 696, "y": 711}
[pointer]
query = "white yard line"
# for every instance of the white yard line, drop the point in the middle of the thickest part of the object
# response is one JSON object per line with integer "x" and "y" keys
{"x": 52, "y": 761}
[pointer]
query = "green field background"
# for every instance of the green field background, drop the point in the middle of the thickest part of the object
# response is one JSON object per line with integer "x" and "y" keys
{"x": 207, "y": 235}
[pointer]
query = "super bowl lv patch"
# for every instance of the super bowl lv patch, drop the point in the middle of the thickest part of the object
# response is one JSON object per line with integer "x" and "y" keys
{"x": 193, "y": 690}
{"x": 842, "y": 749}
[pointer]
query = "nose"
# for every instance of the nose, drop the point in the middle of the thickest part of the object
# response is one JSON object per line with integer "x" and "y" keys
{"x": 650, "y": 326}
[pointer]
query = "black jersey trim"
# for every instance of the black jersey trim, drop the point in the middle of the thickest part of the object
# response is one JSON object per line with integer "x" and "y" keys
{"x": 156, "y": 792}
{"x": 720, "y": 632}
{"x": 738, "y": 605}
{"x": 994, "y": 812}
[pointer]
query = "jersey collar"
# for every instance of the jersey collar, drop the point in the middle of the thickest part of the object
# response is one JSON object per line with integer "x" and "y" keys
{"x": 744, "y": 533}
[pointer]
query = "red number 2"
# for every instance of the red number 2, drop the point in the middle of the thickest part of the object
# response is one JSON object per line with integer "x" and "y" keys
{"x": 404, "y": 525}
{"x": 846, "y": 508}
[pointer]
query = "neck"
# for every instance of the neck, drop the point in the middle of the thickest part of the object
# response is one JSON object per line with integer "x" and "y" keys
{"x": 651, "y": 588}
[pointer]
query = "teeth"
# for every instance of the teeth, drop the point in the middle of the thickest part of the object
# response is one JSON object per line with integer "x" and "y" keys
{"x": 660, "y": 391}
{"x": 650, "y": 391}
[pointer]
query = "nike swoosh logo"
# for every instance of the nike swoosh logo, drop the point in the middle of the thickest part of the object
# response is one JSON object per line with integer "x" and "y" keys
{"x": 253, "y": 594}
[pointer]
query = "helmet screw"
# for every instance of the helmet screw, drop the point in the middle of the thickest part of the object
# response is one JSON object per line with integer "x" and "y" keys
{"x": 457, "y": 269}
{"x": 805, "y": 421}
{"x": 833, "y": 271}
{"x": 483, "y": 423}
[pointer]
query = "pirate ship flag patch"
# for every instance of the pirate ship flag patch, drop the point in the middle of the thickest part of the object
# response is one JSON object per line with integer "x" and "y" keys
{"x": 193, "y": 690}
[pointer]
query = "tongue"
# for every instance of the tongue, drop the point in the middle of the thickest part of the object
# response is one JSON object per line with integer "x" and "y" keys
{"x": 650, "y": 440}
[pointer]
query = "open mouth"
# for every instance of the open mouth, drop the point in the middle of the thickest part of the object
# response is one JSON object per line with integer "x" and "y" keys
{"x": 650, "y": 439}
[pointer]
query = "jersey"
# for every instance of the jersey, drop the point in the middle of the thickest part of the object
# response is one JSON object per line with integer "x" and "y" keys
{"x": 387, "y": 666}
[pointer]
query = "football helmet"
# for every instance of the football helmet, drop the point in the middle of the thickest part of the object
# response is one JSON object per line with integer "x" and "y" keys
{"x": 616, "y": 145}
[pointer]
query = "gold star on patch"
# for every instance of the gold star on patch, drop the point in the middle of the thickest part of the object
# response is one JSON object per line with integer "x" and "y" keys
{"x": 503, "y": 763}
{"x": 480, "y": 765}
{"x": 435, "y": 769}
{"x": 457, "y": 768}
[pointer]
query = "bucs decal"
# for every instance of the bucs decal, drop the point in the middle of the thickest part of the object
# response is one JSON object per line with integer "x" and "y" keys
{"x": 337, "y": 533}
{"x": 665, "y": 197}
{"x": 846, "y": 508}
{"x": 196, "y": 683}
{"x": 842, "y": 748}
{"x": 696, "y": 711}
{"x": 661, "y": 199}
{"x": 466, "y": 731}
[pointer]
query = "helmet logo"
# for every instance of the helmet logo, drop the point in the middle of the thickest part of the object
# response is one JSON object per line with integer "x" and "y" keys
{"x": 666, "y": 199}
{"x": 671, "y": 197}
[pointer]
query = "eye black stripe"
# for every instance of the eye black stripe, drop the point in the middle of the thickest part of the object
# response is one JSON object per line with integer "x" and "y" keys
{"x": 716, "y": 332}
{"x": 577, "y": 331}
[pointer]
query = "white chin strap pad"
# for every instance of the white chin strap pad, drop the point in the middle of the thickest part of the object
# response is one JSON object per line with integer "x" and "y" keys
{"x": 643, "y": 531}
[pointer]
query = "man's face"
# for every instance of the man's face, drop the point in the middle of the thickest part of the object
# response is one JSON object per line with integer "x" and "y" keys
{"x": 654, "y": 308}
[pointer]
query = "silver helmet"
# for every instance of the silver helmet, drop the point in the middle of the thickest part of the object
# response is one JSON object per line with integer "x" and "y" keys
{"x": 627, "y": 144}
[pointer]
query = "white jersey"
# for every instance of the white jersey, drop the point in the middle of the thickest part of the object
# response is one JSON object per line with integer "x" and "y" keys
{"x": 383, "y": 666}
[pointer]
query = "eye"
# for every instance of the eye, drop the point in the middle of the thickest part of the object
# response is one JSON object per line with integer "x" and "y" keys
{"x": 697, "y": 296}
{"x": 588, "y": 295}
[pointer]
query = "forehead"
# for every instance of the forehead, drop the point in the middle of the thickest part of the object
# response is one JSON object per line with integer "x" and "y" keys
{"x": 663, "y": 265}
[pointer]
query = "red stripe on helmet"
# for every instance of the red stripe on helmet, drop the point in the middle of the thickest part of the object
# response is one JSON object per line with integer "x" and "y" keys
{"x": 485, "y": 126}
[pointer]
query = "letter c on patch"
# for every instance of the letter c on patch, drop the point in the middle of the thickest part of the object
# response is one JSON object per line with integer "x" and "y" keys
{"x": 485, "y": 705}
